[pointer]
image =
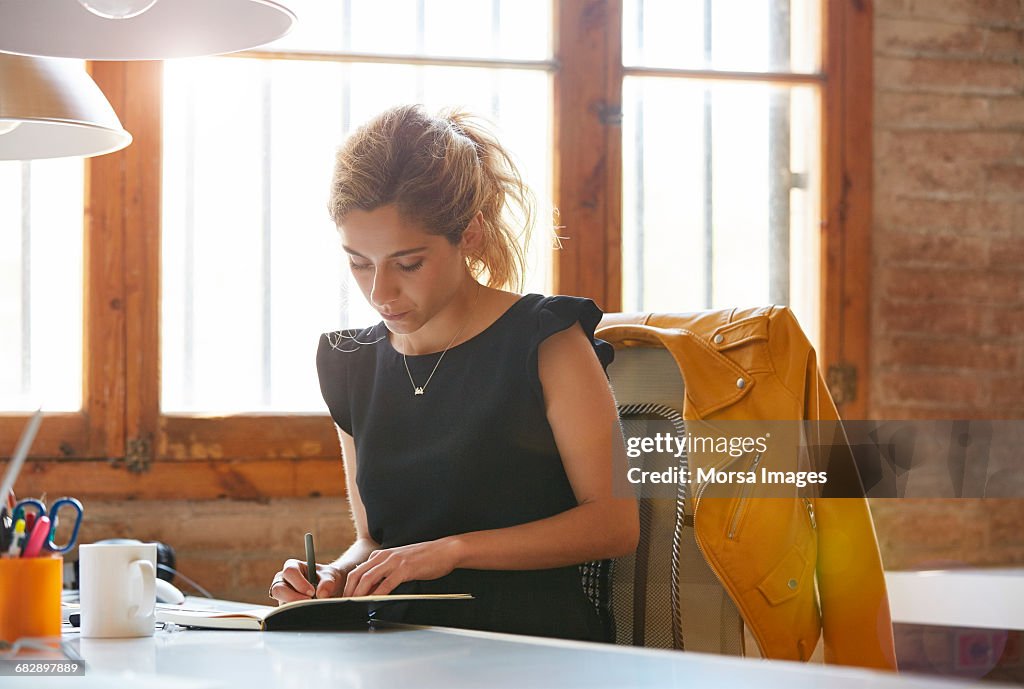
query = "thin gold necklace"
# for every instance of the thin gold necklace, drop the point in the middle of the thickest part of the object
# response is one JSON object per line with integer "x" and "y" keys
{"x": 420, "y": 389}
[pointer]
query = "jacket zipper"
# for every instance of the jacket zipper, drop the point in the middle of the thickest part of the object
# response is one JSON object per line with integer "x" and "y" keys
{"x": 742, "y": 502}
{"x": 737, "y": 601}
{"x": 810, "y": 513}
{"x": 721, "y": 579}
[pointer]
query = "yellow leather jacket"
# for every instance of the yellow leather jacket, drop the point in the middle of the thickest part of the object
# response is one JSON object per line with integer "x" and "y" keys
{"x": 758, "y": 364}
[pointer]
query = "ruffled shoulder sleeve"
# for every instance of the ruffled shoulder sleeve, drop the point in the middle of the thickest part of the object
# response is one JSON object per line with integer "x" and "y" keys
{"x": 557, "y": 313}
{"x": 332, "y": 368}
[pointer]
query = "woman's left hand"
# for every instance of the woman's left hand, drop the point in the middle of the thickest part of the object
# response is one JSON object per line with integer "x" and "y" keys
{"x": 385, "y": 569}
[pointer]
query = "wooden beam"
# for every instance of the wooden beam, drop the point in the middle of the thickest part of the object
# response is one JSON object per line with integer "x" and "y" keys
{"x": 249, "y": 479}
{"x": 846, "y": 201}
{"x": 613, "y": 155}
{"x": 122, "y": 354}
{"x": 60, "y": 435}
{"x": 104, "y": 309}
{"x": 250, "y": 436}
{"x": 142, "y": 114}
{"x": 587, "y": 140}
{"x": 237, "y": 457}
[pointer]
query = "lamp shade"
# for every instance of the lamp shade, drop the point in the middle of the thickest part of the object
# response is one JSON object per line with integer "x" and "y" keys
{"x": 51, "y": 108}
{"x": 167, "y": 29}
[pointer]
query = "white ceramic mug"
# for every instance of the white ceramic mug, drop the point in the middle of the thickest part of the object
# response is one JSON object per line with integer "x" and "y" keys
{"x": 117, "y": 587}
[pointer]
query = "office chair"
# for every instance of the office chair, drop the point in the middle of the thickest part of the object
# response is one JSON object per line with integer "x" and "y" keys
{"x": 664, "y": 595}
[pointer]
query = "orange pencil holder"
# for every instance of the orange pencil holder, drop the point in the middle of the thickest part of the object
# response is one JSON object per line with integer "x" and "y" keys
{"x": 30, "y": 590}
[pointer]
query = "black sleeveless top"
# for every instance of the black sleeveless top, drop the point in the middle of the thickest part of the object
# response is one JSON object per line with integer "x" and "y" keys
{"x": 474, "y": 452}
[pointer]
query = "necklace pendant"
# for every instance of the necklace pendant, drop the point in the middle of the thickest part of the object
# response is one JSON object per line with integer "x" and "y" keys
{"x": 419, "y": 391}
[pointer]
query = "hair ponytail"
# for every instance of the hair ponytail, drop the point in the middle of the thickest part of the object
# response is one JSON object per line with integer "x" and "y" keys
{"x": 440, "y": 171}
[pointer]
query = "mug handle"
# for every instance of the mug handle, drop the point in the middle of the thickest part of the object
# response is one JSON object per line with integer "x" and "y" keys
{"x": 148, "y": 573}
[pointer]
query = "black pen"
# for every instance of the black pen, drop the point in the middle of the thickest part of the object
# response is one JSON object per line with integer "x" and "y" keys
{"x": 311, "y": 576}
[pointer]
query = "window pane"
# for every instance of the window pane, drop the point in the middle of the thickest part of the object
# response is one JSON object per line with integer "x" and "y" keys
{"x": 720, "y": 196}
{"x": 41, "y": 211}
{"x": 253, "y": 271}
{"x": 510, "y": 29}
{"x": 741, "y": 35}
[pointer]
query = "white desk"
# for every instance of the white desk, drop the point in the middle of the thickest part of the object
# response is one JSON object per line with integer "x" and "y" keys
{"x": 399, "y": 656}
{"x": 984, "y": 598}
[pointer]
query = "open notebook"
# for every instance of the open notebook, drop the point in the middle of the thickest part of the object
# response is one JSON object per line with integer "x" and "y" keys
{"x": 316, "y": 613}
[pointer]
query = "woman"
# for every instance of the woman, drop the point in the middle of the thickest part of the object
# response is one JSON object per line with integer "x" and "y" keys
{"x": 476, "y": 424}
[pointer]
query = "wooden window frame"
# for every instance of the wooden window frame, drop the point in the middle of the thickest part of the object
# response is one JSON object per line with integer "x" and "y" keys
{"x": 121, "y": 447}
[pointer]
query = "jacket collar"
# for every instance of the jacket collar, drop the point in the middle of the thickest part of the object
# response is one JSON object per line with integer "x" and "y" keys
{"x": 697, "y": 341}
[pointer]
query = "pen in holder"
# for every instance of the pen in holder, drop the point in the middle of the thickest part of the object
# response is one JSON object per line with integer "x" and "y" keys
{"x": 30, "y": 597}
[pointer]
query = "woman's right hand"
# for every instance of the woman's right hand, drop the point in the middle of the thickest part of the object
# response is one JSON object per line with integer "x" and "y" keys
{"x": 290, "y": 584}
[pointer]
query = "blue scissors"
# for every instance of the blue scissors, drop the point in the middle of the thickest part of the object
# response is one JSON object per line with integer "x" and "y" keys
{"x": 40, "y": 509}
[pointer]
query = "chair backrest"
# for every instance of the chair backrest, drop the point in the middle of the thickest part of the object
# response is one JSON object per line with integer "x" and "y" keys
{"x": 665, "y": 595}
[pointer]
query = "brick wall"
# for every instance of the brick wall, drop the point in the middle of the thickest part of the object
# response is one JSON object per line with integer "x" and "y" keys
{"x": 948, "y": 292}
{"x": 949, "y": 209}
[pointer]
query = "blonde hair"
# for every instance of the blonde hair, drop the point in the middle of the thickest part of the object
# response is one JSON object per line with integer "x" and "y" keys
{"x": 439, "y": 171}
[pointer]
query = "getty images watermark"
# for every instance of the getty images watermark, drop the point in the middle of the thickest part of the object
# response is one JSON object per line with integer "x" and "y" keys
{"x": 879, "y": 459}
{"x": 732, "y": 447}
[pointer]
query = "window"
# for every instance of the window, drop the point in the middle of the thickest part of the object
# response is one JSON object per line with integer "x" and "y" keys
{"x": 644, "y": 144}
{"x": 252, "y": 271}
{"x": 721, "y": 168}
{"x": 41, "y": 285}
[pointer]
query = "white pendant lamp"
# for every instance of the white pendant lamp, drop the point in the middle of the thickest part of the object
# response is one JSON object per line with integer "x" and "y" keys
{"x": 139, "y": 29}
{"x": 51, "y": 108}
